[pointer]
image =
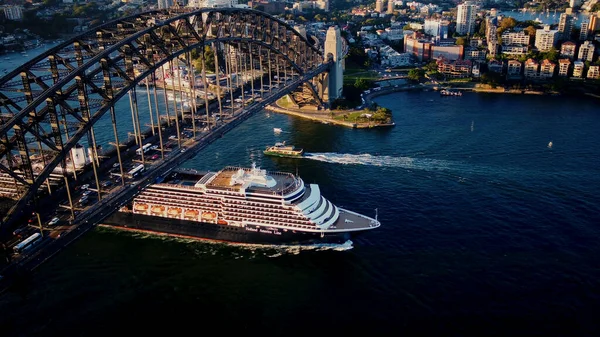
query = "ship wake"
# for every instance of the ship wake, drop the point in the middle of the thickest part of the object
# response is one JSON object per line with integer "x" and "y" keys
{"x": 213, "y": 246}
{"x": 426, "y": 164}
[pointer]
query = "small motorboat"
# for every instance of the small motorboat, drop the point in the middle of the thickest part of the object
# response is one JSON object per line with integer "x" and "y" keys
{"x": 277, "y": 130}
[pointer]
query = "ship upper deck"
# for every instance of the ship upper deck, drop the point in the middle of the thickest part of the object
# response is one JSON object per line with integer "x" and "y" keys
{"x": 184, "y": 177}
{"x": 254, "y": 180}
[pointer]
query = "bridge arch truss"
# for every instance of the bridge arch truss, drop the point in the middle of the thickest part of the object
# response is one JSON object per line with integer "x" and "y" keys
{"x": 54, "y": 100}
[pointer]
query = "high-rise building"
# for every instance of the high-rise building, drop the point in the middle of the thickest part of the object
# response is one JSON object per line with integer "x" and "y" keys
{"x": 586, "y": 51}
{"x": 588, "y": 26}
{"x": 390, "y": 7}
{"x": 515, "y": 38}
{"x": 565, "y": 26}
{"x": 379, "y": 6}
{"x": 465, "y": 19}
{"x": 436, "y": 28}
{"x": 491, "y": 35}
{"x": 545, "y": 38}
{"x": 14, "y": 13}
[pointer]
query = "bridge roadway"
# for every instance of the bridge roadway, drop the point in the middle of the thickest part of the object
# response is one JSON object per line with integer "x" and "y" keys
{"x": 95, "y": 214}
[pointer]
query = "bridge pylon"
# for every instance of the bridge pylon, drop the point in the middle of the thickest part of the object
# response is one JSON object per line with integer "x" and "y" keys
{"x": 335, "y": 78}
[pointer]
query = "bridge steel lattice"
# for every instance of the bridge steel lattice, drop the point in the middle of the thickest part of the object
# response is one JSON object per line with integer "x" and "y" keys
{"x": 50, "y": 103}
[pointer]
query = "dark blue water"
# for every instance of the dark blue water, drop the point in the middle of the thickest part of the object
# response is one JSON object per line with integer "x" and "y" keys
{"x": 486, "y": 231}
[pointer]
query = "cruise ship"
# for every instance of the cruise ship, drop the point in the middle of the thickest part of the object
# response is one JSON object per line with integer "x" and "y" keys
{"x": 245, "y": 205}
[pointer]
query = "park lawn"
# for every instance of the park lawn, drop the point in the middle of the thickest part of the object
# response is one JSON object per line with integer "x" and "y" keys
{"x": 352, "y": 72}
{"x": 352, "y": 117}
{"x": 284, "y": 102}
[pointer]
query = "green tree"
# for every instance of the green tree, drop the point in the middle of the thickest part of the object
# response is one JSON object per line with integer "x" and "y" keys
{"x": 431, "y": 66}
{"x": 461, "y": 41}
{"x": 362, "y": 84}
{"x": 506, "y": 23}
{"x": 530, "y": 30}
{"x": 551, "y": 55}
{"x": 482, "y": 28}
{"x": 415, "y": 74}
{"x": 407, "y": 27}
{"x": 209, "y": 59}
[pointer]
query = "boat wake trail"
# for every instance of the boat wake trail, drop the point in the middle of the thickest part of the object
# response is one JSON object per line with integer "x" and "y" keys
{"x": 235, "y": 249}
{"x": 384, "y": 161}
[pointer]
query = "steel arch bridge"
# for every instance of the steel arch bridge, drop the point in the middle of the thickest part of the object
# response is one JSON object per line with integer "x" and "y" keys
{"x": 53, "y": 101}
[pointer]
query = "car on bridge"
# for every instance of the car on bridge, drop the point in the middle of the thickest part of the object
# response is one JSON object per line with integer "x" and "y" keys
{"x": 54, "y": 221}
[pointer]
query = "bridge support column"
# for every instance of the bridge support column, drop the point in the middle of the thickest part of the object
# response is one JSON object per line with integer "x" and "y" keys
{"x": 228, "y": 75}
{"x": 260, "y": 70}
{"x": 139, "y": 127}
{"x": 165, "y": 96}
{"x": 205, "y": 82}
{"x": 217, "y": 80}
{"x": 192, "y": 76}
{"x": 158, "y": 120}
{"x": 251, "y": 70}
{"x": 175, "y": 104}
{"x": 270, "y": 75}
{"x": 244, "y": 68}
{"x": 182, "y": 93}
{"x": 135, "y": 135}
{"x": 109, "y": 92}
{"x": 85, "y": 115}
{"x": 238, "y": 74}
{"x": 150, "y": 106}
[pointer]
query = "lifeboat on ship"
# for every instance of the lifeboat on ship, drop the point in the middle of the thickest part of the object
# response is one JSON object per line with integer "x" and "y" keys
{"x": 209, "y": 216}
{"x": 140, "y": 207}
{"x": 222, "y": 222}
{"x": 191, "y": 214}
{"x": 158, "y": 209}
{"x": 174, "y": 211}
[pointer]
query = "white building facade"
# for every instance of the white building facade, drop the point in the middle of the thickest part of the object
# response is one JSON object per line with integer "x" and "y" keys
{"x": 465, "y": 19}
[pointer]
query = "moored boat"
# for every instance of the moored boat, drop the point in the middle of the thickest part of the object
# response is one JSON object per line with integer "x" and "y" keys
{"x": 447, "y": 92}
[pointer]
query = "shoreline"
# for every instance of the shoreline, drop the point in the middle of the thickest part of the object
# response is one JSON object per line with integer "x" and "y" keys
{"x": 422, "y": 87}
{"x": 325, "y": 119}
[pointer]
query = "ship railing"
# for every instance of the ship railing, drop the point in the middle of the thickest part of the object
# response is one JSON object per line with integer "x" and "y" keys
{"x": 171, "y": 197}
{"x": 179, "y": 186}
{"x": 187, "y": 204}
{"x": 181, "y": 194}
{"x": 174, "y": 204}
{"x": 268, "y": 218}
{"x": 278, "y": 215}
{"x": 262, "y": 209}
{"x": 246, "y": 169}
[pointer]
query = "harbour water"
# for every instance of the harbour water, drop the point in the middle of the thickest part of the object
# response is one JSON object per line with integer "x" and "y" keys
{"x": 486, "y": 231}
